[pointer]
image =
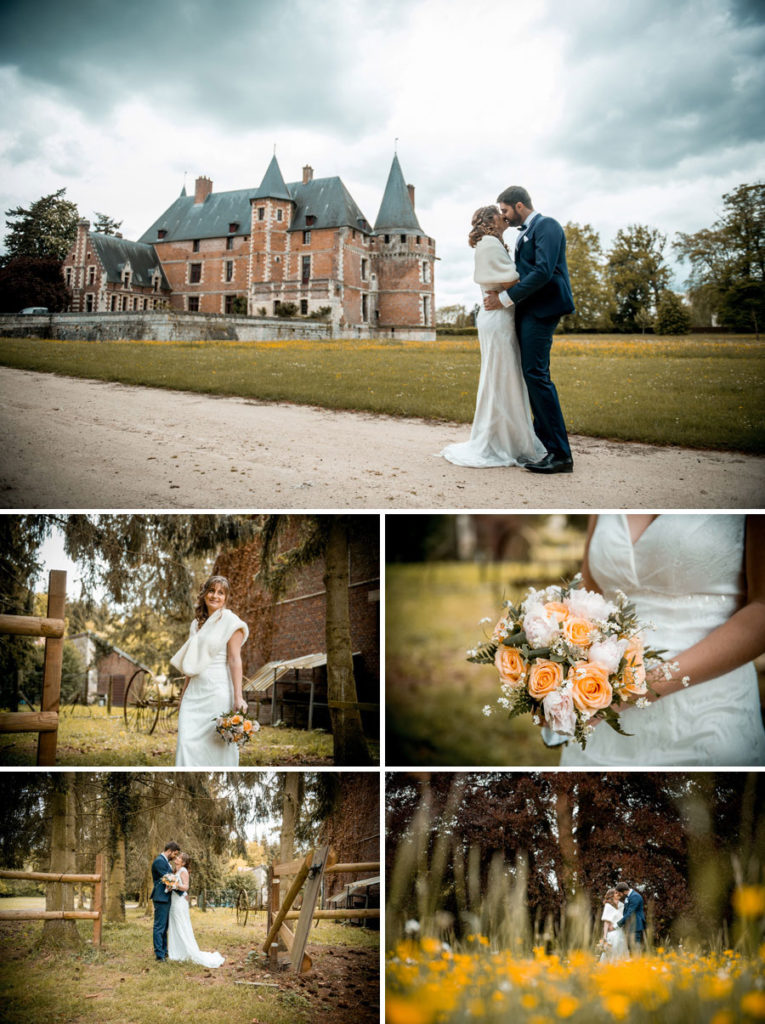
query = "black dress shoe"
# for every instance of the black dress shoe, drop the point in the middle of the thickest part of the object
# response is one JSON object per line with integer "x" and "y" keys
{"x": 552, "y": 463}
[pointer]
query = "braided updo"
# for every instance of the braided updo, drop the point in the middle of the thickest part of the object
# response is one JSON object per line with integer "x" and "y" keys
{"x": 483, "y": 223}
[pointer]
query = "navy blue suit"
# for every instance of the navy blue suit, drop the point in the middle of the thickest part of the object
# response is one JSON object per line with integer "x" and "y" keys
{"x": 633, "y": 916}
{"x": 161, "y": 898}
{"x": 542, "y": 297}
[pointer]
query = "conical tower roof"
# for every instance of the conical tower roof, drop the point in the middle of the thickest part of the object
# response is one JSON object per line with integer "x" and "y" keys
{"x": 272, "y": 186}
{"x": 396, "y": 210}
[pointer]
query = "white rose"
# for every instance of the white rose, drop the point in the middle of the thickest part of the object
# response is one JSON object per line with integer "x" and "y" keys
{"x": 586, "y": 604}
{"x": 607, "y": 653}
{"x": 559, "y": 712}
{"x": 540, "y": 627}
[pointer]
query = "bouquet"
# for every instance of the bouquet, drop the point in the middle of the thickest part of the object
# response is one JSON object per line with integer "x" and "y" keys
{"x": 233, "y": 727}
{"x": 570, "y": 657}
{"x": 170, "y": 881}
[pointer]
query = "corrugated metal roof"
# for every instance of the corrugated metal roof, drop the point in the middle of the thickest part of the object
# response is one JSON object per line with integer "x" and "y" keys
{"x": 274, "y": 670}
{"x": 352, "y": 886}
{"x": 115, "y": 253}
{"x": 396, "y": 210}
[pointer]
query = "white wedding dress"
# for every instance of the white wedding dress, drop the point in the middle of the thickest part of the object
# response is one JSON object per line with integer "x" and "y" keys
{"x": 502, "y": 433}
{"x": 685, "y": 575}
{"x": 616, "y": 940}
{"x": 204, "y": 658}
{"x": 181, "y": 944}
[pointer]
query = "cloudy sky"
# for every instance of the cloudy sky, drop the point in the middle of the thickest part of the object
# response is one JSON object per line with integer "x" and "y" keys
{"x": 644, "y": 111}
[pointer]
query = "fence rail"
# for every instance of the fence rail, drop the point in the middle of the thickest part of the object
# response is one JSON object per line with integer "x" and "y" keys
{"x": 51, "y": 878}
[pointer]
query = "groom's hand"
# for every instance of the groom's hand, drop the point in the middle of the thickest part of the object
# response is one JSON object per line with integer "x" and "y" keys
{"x": 492, "y": 301}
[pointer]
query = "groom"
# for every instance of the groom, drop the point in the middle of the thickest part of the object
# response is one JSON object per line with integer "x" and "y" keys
{"x": 541, "y": 297}
{"x": 633, "y": 915}
{"x": 161, "y": 898}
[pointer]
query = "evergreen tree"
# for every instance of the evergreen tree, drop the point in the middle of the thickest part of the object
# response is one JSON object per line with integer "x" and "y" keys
{"x": 672, "y": 315}
{"x": 44, "y": 231}
{"x": 106, "y": 225}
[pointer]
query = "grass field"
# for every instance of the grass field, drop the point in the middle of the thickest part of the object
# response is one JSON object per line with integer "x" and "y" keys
{"x": 701, "y": 391}
{"x": 90, "y": 737}
{"x": 120, "y": 983}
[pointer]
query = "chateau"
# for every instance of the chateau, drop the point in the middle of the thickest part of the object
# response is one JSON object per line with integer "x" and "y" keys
{"x": 305, "y": 244}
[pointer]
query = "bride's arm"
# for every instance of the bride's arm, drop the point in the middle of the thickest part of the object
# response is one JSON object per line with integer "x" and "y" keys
{"x": 587, "y": 580}
{"x": 737, "y": 641}
{"x": 234, "y": 650}
{"x": 183, "y": 880}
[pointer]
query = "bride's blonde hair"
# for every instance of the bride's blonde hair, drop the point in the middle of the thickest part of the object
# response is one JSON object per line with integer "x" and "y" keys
{"x": 201, "y": 613}
{"x": 483, "y": 223}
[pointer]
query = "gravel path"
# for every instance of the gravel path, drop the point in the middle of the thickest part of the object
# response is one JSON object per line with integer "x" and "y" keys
{"x": 70, "y": 443}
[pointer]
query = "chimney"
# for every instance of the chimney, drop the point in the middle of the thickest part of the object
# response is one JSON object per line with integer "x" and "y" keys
{"x": 202, "y": 189}
{"x": 307, "y": 174}
{"x": 410, "y": 190}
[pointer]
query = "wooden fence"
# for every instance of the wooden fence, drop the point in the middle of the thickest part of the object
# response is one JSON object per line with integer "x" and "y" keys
{"x": 51, "y": 627}
{"x": 307, "y": 872}
{"x": 95, "y": 915}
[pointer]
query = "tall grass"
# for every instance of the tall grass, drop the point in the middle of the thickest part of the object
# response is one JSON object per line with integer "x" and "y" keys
{"x": 702, "y": 391}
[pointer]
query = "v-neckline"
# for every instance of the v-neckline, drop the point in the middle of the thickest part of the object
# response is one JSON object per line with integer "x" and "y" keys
{"x": 643, "y": 532}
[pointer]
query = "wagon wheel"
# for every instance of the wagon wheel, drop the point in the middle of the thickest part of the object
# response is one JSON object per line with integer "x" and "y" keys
{"x": 153, "y": 709}
{"x": 134, "y": 706}
{"x": 170, "y": 716}
{"x": 242, "y": 907}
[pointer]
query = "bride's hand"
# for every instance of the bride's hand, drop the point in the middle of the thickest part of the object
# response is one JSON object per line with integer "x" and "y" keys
{"x": 242, "y": 706}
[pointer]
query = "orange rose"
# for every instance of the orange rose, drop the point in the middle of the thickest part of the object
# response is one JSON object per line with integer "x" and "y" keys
{"x": 545, "y": 676}
{"x": 500, "y": 628}
{"x": 236, "y": 720}
{"x": 590, "y": 687}
{"x": 510, "y": 665}
{"x": 633, "y": 680}
{"x": 247, "y": 725}
{"x": 560, "y": 611}
{"x": 578, "y": 631}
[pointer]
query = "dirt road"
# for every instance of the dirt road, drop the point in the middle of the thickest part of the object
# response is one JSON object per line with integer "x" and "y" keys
{"x": 70, "y": 443}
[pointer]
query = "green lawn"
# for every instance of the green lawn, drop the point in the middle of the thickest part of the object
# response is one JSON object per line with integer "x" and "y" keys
{"x": 91, "y": 737}
{"x": 700, "y": 391}
{"x": 121, "y": 983}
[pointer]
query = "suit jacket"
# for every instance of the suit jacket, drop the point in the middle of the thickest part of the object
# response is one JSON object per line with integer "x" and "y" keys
{"x": 544, "y": 288}
{"x": 160, "y": 866}
{"x": 633, "y": 907}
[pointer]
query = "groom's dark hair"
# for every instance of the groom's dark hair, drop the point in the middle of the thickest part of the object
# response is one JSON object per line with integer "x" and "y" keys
{"x": 515, "y": 194}
{"x": 623, "y": 887}
{"x": 170, "y": 846}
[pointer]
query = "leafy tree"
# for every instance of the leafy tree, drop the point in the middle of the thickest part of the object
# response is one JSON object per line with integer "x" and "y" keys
{"x": 106, "y": 225}
{"x": 452, "y": 316}
{"x": 239, "y": 305}
{"x": 44, "y": 231}
{"x": 33, "y": 281}
{"x": 637, "y": 271}
{"x": 285, "y": 309}
{"x": 728, "y": 260}
{"x": 593, "y": 294}
{"x": 672, "y": 315}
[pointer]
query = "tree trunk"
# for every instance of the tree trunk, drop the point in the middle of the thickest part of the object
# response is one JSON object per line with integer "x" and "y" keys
{"x": 63, "y": 844}
{"x": 115, "y": 882}
{"x": 350, "y": 746}
{"x": 290, "y": 809}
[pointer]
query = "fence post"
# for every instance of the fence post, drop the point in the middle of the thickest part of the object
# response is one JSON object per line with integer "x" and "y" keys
{"x": 54, "y": 655}
{"x": 98, "y": 900}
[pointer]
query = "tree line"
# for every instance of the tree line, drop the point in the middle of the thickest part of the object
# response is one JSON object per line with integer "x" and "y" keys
{"x": 626, "y": 289}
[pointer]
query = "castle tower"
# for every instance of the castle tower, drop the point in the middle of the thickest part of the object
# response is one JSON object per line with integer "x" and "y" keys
{"x": 404, "y": 259}
{"x": 271, "y": 212}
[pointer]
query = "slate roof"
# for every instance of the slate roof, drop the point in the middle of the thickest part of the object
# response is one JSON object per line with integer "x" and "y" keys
{"x": 115, "y": 252}
{"x": 272, "y": 186}
{"x": 329, "y": 201}
{"x": 185, "y": 219}
{"x": 396, "y": 210}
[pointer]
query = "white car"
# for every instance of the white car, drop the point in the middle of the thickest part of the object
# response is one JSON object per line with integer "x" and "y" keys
{"x": 33, "y": 309}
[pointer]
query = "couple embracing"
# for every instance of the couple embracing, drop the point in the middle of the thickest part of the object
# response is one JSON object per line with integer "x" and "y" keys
{"x": 623, "y": 923}
{"x": 173, "y": 933}
{"x": 524, "y": 297}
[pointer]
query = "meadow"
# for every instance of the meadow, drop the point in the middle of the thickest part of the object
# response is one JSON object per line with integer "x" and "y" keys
{"x": 703, "y": 391}
{"x": 120, "y": 983}
{"x": 90, "y": 736}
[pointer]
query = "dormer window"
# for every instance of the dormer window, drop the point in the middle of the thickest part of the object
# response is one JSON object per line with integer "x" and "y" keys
{"x": 233, "y": 226}
{"x": 161, "y": 232}
{"x": 126, "y": 279}
{"x": 310, "y": 219}
{"x": 195, "y": 245}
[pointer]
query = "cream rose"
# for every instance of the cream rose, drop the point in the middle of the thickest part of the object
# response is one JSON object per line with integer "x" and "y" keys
{"x": 510, "y": 665}
{"x": 607, "y": 653}
{"x": 544, "y": 677}
{"x": 559, "y": 712}
{"x": 590, "y": 687}
{"x": 541, "y": 627}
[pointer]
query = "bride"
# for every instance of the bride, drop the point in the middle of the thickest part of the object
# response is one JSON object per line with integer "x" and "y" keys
{"x": 181, "y": 944}
{"x": 502, "y": 433}
{"x": 211, "y": 660}
{"x": 699, "y": 579}
{"x": 614, "y": 939}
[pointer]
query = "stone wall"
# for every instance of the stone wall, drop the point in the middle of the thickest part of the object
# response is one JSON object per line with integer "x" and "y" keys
{"x": 171, "y": 326}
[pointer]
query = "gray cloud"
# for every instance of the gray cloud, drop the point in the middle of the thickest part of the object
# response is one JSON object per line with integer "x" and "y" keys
{"x": 247, "y": 63}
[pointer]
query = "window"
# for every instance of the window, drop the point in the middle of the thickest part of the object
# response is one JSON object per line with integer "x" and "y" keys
{"x": 387, "y": 238}
{"x": 161, "y": 232}
{"x": 261, "y": 212}
{"x": 403, "y": 238}
{"x": 229, "y": 304}
{"x": 233, "y": 226}
{"x": 91, "y": 275}
{"x": 426, "y": 309}
{"x": 310, "y": 219}
{"x": 304, "y": 307}
{"x": 114, "y": 303}
{"x": 88, "y": 303}
{"x": 280, "y": 214}
{"x": 126, "y": 279}
{"x": 426, "y": 272}
{"x": 364, "y": 308}
{"x": 230, "y": 243}
{"x": 306, "y": 270}
{"x": 306, "y": 238}
{"x": 195, "y": 273}
{"x": 193, "y": 303}
{"x": 229, "y": 270}
{"x": 155, "y": 282}
{"x": 364, "y": 265}
{"x": 195, "y": 245}
{"x": 69, "y": 277}
{"x": 276, "y": 308}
